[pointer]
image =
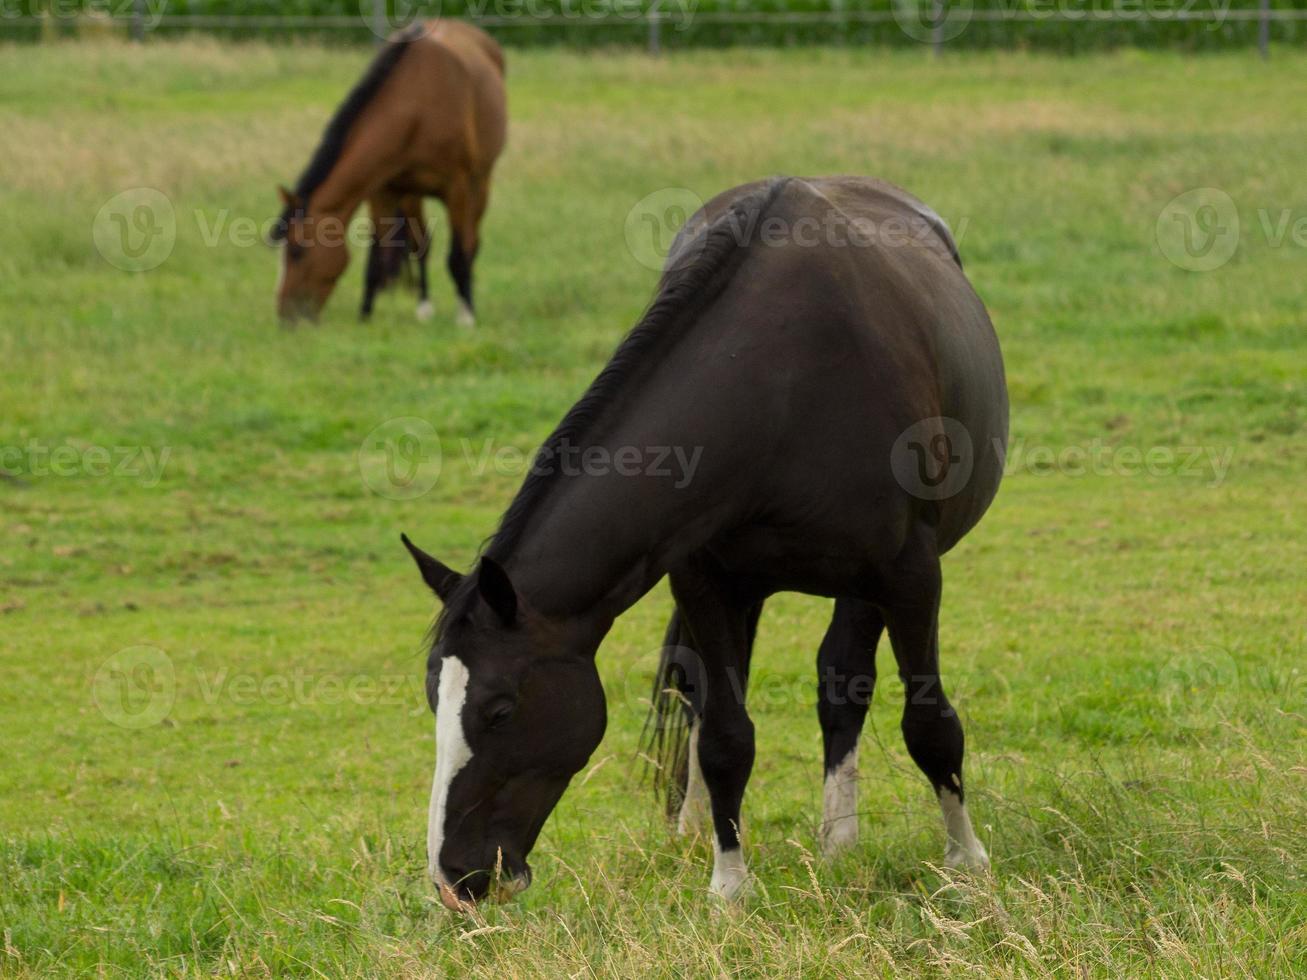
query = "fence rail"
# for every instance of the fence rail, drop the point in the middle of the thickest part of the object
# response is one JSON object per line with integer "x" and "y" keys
{"x": 653, "y": 20}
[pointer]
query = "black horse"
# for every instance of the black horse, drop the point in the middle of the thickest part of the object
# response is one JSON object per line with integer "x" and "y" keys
{"x": 813, "y": 402}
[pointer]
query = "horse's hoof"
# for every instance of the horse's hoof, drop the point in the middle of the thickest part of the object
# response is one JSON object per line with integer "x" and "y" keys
{"x": 425, "y": 311}
{"x": 731, "y": 890}
{"x": 960, "y": 858}
{"x": 465, "y": 317}
{"x": 838, "y": 836}
{"x": 730, "y": 876}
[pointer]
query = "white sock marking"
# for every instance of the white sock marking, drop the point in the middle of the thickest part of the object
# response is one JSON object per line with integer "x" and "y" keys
{"x": 452, "y": 754}
{"x": 729, "y": 874}
{"x": 696, "y": 808}
{"x": 465, "y": 317}
{"x": 839, "y": 826}
{"x": 964, "y": 849}
{"x": 425, "y": 310}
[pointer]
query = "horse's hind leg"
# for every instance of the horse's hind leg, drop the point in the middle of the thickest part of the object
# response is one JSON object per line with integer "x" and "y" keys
{"x": 931, "y": 727}
{"x": 419, "y": 246}
{"x": 465, "y": 200}
{"x": 846, "y": 676}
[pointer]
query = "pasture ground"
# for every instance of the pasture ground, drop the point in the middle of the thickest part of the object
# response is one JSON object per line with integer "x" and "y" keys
{"x": 1123, "y": 634}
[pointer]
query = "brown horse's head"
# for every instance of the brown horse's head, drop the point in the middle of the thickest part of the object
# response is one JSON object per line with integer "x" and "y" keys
{"x": 313, "y": 257}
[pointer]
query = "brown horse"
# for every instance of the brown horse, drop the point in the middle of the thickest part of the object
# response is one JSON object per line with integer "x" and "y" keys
{"x": 427, "y": 119}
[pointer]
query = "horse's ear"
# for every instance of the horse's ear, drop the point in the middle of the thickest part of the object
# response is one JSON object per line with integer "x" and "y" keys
{"x": 289, "y": 199}
{"x": 497, "y": 591}
{"x": 439, "y": 578}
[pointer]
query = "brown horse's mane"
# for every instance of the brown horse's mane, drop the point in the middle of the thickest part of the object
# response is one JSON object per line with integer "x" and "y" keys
{"x": 332, "y": 143}
{"x": 686, "y": 286}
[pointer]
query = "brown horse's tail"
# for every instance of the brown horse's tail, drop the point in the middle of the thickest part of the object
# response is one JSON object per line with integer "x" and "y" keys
{"x": 666, "y": 737}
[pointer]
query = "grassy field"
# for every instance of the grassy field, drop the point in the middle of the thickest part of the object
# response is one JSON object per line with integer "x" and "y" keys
{"x": 217, "y": 751}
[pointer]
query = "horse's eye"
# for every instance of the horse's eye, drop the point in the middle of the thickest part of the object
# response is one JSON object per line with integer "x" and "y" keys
{"x": 499, "y": 712}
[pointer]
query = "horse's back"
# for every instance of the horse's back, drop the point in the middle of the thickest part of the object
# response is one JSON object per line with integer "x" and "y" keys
{"x": 871, "y": 331}
{"x": 458, "y": 72}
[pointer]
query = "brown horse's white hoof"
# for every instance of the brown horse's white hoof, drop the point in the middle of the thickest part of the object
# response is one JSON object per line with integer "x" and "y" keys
{"x": 465, "y": 317}
{"x": 425, "y": 311}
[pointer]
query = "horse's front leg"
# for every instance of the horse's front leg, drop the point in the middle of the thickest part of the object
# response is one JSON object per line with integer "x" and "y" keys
{"x": 721, "y": 622}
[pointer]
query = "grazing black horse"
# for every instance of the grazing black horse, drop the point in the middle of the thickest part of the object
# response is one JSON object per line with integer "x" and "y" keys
{"x": 813, "y": 402}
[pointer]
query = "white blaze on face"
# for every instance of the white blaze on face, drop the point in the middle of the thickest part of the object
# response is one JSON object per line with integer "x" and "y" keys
{"x": 839, "y": 825}
{"x": 452, "y": 754}
{"x": 964, "y": 849}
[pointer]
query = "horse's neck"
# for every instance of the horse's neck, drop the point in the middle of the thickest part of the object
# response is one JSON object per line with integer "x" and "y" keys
{"x": 594, "y": 548}
{"x": 663, "y": 482}
{"x": 365, "y": 164}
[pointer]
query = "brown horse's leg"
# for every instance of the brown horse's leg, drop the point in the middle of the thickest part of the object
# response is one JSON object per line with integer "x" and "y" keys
{"x": 419, "y": 246}
{"x": 466, "y": 201}
{"x": 382, "y": 209}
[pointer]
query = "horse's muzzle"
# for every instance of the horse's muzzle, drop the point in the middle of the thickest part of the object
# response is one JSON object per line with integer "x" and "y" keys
{"x": 470, "y": 889}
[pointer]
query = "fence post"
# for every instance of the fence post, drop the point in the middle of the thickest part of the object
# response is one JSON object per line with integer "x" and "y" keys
{"x": 136, "y": 28}
{"x": 936, "y": 27}
{"x": 1264, "y": 29}
{"x": 655, "y": 26}
{"x": 380, "y": 29}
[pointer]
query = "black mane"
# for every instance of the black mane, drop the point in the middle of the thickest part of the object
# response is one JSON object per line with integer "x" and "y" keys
{"x": 333, "y": 137}
{"x": 700, "y": 265}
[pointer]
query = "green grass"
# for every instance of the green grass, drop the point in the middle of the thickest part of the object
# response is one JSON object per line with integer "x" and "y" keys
{"x": 1126, "y": 648}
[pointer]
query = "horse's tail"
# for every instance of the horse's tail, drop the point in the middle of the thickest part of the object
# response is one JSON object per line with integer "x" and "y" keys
{"x": 666, "y": 737}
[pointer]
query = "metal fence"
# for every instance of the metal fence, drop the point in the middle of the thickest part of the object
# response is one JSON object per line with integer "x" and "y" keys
{"x": 942, "y": 21}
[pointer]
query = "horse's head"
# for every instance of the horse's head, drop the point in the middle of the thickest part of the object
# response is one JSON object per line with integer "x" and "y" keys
{"x": 313, "y": 257}
{"x": 519, "y": 710}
